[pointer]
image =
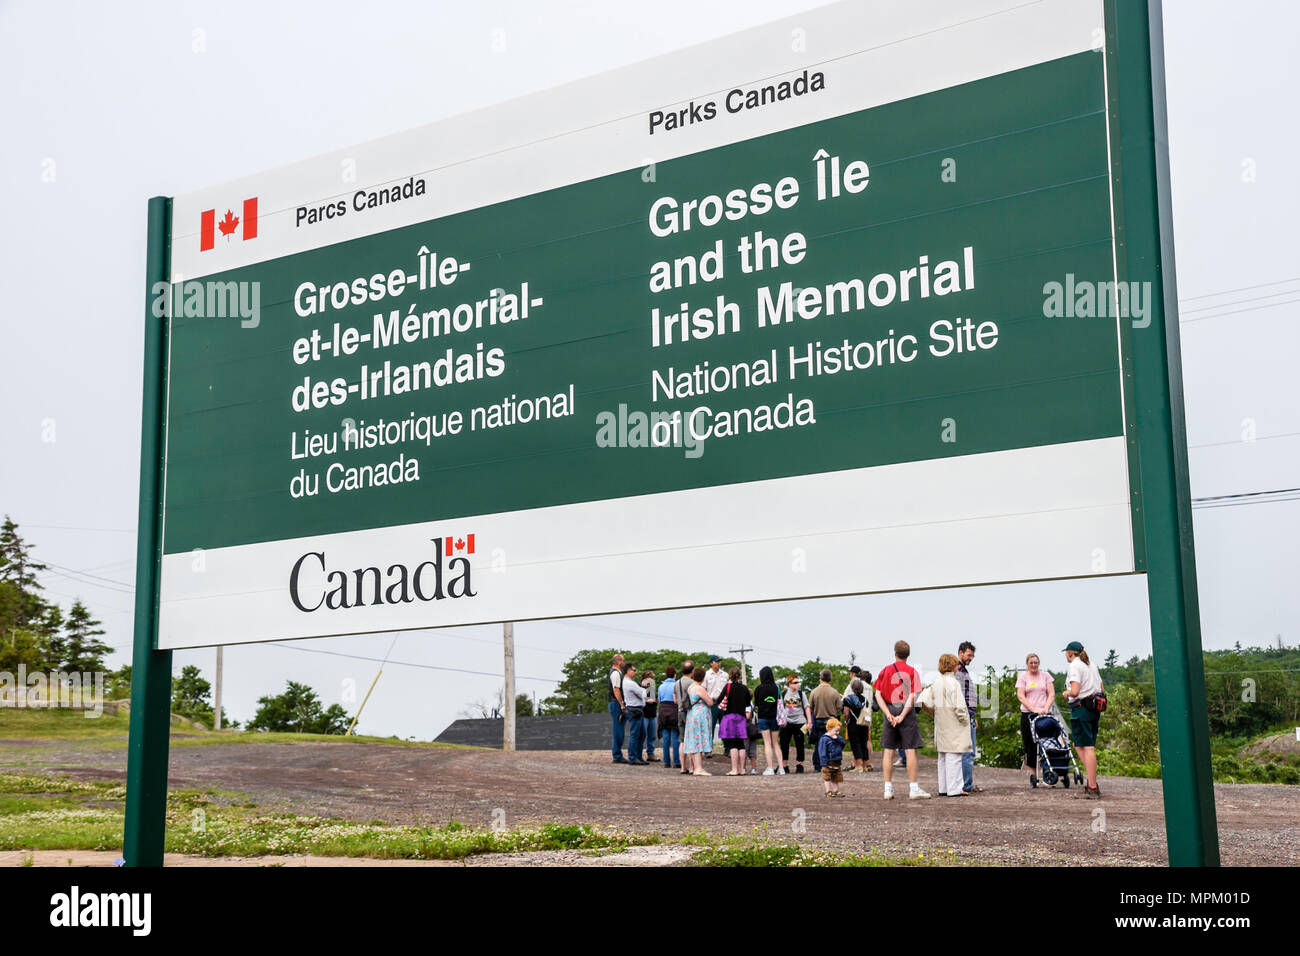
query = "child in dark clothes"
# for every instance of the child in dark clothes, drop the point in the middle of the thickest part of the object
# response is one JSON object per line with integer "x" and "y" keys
{"x": 830, "y": 751}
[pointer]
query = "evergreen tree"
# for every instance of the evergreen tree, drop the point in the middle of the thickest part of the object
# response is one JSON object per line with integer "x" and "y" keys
{"x": 18, "y": 567}
{"x": 191, "y": 694}
{"x": 118, "y": 683}
{"x": 84, "y": 651}
{"x": 1112, "y": 659}
{"x": 54, "y": 646}
{"x": 298, "y": 710}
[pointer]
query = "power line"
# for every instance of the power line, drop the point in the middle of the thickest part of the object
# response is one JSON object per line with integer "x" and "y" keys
{"x": 431, "y": 667}
{"x": 66, "y": 527}
{"x": 1245, "y": 288}
{"x": 93, "y": 584}
{"x": 1239, "y": 441}
{"x": 1256, "y": 298}
{"x": 1246, "y": 494}
{"x": 1254, "y": 308}
{"x": 125, "y": 584}
{"x": 1247, "y": 498}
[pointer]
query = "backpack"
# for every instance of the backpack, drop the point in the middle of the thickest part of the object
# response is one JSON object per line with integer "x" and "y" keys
{"x": 863, "y": 716}
{"x": 667, "y": 719}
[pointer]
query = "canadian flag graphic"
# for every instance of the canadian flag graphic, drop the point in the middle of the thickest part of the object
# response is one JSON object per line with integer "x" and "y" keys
{"x": 228, "y": 224}
{"x": 461, "y": 545}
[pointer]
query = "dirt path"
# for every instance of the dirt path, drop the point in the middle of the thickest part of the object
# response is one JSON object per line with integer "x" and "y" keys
{"x": 1008, "y": 823}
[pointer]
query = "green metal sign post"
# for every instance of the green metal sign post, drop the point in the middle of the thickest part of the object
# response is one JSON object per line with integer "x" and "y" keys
{"x": 1141, "y": 183}
{"x": 151, "y": 670}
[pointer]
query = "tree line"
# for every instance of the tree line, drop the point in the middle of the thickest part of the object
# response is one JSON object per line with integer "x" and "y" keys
{"x": 35, "y": 632}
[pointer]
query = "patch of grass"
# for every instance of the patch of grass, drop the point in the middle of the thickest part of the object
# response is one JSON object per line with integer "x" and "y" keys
{"x": 700, "y": 837}
{"x": 240, "y": 834}
{"x": 779, "y": 854}
{"x": 39, "y": 812}
{"x": 60, "y": 723}
{"x": 207, "y": 738}
{"x": 110, "y": 730}
{"x": 24, "y": 804}
{"x": 1229, "y": 761}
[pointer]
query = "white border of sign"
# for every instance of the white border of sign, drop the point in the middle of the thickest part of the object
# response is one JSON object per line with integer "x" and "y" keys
{"x": 1047, "y": 512}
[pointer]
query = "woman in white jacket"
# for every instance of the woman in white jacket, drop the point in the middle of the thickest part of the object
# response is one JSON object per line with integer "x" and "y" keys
{"x": 951, "y": 725}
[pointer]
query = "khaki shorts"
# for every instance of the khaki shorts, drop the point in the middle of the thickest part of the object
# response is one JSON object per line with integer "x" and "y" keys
{"x": 832, "y": 774}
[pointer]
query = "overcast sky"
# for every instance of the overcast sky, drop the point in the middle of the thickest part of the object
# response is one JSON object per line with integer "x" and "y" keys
{"x": 107, "y": 105}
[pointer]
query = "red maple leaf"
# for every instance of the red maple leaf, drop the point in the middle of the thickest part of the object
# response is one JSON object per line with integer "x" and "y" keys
{"x": 227, "y": 225}
{"x": 460, "y": 543}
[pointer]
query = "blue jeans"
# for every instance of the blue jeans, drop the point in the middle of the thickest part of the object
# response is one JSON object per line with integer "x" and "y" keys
{"x": 968, "y": 760}
{"x": 650, "y": 724}
{"x": 636, "y": 733}
{"x": 616, "y": 718}
{"x": 672, "y": 739}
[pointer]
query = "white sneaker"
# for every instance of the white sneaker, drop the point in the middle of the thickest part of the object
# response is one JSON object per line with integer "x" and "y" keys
{"x": 889, "y": 791}
{"x": 769, "y": 772}
{"x": 753, "y": 770}
{"x": 918, "y": 794}
{"x": 781, "y": 772}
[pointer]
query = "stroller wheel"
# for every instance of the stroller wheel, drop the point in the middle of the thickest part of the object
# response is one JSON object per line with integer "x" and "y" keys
{"x": 1049, "y": 778}
{"x": 1065, "y": 779}
{"x": 1033, "y": 781}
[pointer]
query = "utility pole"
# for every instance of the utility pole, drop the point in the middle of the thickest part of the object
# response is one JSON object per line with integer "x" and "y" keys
{"x": 744, "y": 669}
{"x": 216, "y": 694}
{"x": 509, "y": 742}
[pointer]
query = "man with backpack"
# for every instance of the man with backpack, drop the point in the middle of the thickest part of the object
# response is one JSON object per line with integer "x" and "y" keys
{"x": 896, "y": 688}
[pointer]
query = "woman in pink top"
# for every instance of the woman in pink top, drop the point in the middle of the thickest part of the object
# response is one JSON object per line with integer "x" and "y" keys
{"x": 1036, "y": 692}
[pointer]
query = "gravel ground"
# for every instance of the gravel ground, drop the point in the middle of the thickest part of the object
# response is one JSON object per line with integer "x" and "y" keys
{"x": 1007, "y": 824}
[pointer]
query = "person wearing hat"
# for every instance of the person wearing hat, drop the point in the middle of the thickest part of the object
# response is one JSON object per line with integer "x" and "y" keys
{"x": 715, "y": 682}
{"x": 1083, "y": 683}
{"x": 855, "y": 673}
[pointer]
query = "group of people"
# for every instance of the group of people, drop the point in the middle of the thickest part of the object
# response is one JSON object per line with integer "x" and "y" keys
{"x": 689, "y": 710}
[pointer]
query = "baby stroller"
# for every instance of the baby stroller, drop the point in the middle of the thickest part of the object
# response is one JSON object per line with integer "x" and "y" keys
{"x": 1055, "y": 756}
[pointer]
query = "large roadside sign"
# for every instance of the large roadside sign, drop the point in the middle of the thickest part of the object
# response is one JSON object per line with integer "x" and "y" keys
{"x": 879, "y": 297}
{"x": 825, "y": 307}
